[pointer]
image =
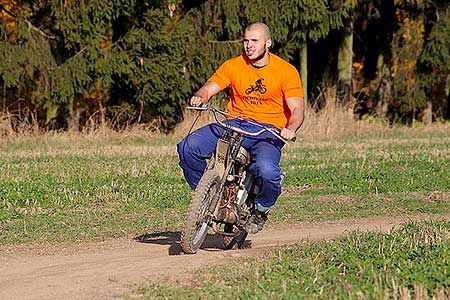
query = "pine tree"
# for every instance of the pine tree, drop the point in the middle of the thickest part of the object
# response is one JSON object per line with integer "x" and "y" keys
{"x": 70, "y": 61}
{"x": 220, "y": 25}
{"x": 435, "y": 62}
{"x": 67, "y": 64}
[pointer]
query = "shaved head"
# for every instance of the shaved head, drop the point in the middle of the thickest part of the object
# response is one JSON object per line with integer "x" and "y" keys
{"x": 257, "y": 41}
{"x": 263, "y": 28}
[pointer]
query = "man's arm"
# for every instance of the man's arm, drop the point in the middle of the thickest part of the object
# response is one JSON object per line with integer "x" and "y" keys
{"x": 208, "y": 90}
{"x": 297, "y": 107}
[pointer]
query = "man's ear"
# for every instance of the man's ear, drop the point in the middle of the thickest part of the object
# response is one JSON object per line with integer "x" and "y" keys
{"x": 269, "y": 43}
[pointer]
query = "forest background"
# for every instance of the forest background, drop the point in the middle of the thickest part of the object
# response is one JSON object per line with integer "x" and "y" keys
{"x": 65, "y": 65}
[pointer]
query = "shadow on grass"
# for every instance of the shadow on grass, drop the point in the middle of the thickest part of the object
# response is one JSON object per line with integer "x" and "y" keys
{"x": 213, "y": 242}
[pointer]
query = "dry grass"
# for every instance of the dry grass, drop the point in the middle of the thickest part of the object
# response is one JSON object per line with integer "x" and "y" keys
{"x": 330, "y": 122}
{"x": 11, "y": 125}
{"x": 5, "y": 124}
{"x": 420, "y": 293}
{"x": 27, "y": 132}
{"x": 110, "y": 151}
{"x": 191, "y": 121}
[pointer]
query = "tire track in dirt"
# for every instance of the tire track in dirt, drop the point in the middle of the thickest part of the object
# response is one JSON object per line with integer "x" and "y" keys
{"x": 108, "y": 269}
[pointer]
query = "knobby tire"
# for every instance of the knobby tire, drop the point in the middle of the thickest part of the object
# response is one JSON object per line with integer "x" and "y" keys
{"x": 194, "y": 231}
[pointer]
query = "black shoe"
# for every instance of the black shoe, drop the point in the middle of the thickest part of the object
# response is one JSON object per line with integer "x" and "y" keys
{"x": 256, "y": 222}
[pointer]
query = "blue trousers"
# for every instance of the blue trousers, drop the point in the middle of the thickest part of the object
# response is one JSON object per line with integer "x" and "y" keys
{"x": 265, "y": 152}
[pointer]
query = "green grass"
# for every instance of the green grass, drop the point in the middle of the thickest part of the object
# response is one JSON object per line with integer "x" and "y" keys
{"x": 84, "y": 188}
{"x": 335, "y": 206}
{"x": 72, "y": 188}
{"x": 373, "y": 165}
{"x": 409, "y": 261}
{"x": 54, "y": 191}
{"x": 396, "y": 174}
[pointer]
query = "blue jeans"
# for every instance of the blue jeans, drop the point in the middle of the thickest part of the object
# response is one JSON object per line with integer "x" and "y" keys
{"x": 265, "y": 152}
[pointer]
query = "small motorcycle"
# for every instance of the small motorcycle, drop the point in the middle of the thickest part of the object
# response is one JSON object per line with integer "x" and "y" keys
{"x": 224, "y": 198}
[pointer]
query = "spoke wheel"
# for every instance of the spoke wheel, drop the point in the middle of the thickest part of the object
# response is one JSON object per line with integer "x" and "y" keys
{"x": 199, "y": 215}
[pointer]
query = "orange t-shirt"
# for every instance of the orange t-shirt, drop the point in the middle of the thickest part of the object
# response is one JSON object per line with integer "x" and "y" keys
{"x": 259, "y": 93}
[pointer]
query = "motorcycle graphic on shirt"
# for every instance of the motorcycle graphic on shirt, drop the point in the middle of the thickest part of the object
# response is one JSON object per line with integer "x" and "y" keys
{"x": 258, "y": 87}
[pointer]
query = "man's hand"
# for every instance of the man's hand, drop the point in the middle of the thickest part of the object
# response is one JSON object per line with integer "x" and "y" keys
{"x": 202, "y": 96}
{"x": 197, "y": 100}
{"x": 287, "y": 134}
{"x": 297, "y": 107}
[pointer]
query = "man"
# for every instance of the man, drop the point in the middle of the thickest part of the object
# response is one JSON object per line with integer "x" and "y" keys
{"x": 263, "y": 88}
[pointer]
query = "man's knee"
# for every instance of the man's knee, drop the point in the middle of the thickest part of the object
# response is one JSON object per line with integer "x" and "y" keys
{"x": 267, "y": 171}
{"x": 180, "y": 147}
{"x": 186, "y": 148}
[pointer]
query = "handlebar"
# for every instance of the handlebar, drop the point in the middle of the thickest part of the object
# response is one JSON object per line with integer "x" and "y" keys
{"x": 216, "y": 112}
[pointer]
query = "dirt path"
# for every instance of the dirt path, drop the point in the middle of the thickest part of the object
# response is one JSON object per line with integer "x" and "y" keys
{"x": 107, "y": 270}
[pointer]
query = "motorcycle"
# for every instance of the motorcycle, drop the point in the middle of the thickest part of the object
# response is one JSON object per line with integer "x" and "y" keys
{"x": 224, "y": 197}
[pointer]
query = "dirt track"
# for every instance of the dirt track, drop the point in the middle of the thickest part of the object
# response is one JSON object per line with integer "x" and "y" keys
{"x": 107, "y": 270}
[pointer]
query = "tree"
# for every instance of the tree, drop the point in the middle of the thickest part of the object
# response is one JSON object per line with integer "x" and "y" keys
{"x": 68, "y": 61}
{"x": 435, "y": 62}
{"x": 70, "y": 64}
{"x": 345, "y": 64}
{"x": 294, "y": 24}
{"x": 394, "y": 50}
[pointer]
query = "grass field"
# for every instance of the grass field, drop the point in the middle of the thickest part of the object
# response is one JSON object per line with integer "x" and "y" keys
{"x": 80, "y": 188}
{"x": 411, "y": 262}
{"x": 73, "y": 188}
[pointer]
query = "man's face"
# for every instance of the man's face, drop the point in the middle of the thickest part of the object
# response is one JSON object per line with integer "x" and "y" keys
{"x": 254, "y": 43}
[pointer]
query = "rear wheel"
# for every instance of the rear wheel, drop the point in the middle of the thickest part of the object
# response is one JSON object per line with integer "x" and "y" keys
{"x": 199, "y": 216}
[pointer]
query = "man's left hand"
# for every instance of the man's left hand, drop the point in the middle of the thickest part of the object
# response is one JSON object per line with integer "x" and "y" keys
{"x": 287, "y": 134}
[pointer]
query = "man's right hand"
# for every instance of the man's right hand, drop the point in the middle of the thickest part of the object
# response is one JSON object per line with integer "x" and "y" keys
{"x": 196, "y": 100}
{"x": 202, "y": 96}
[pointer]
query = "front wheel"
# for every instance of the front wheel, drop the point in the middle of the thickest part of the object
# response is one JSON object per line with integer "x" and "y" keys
{"x": 203, "y": 204}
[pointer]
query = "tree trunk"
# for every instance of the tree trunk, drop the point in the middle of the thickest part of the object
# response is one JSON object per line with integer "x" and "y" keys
{"x": 73, "y": 122}
{"x": 447, "y": 108}
{"x": 304, "y": 70}
{"x": 344, "y": 65}
{"x": 384, "y": 89}
{"x": 427, "y": 114}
